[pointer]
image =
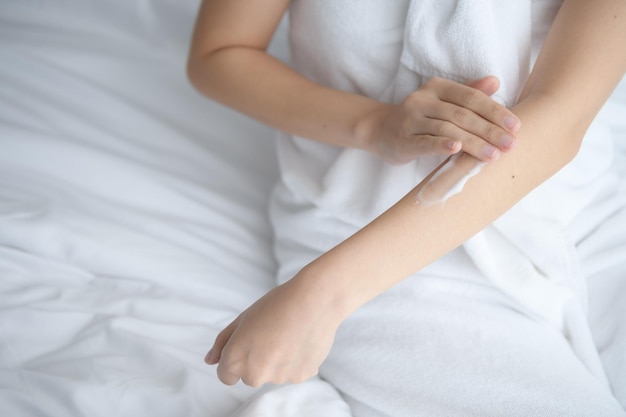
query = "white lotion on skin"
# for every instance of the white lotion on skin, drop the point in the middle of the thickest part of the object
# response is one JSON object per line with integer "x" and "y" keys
{"x": 450, "y": 179}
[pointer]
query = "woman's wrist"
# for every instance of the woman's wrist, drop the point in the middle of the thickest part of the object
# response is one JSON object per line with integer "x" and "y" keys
{"x": 329, "y": 284}
{"x": 367, "y": 130}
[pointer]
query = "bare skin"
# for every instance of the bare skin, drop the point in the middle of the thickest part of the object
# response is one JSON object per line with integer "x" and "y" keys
{"x": 285, "y": 336}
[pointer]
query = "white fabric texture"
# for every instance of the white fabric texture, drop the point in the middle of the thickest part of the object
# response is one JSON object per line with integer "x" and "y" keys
{"x": 133, "y": 214}
{"x": 133, "y": 228}
{"x": 475, "y": 36}
{"x": 466, "y": 336}
{"x": 312, "y": 398}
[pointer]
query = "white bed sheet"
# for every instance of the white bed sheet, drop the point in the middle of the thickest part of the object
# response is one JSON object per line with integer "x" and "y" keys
{"x": 133, "y": 220}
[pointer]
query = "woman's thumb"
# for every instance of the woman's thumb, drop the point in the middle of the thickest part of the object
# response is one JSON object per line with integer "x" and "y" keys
{"x": 215, "y": 353}
{"x": 488, "y": 85}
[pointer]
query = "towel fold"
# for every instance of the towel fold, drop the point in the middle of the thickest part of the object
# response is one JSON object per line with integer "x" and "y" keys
{"x": 465, "y": 40}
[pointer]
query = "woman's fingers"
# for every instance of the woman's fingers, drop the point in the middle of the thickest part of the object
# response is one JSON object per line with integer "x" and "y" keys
{"x": 444, "y": 117}
{"x": 227, "y": 370}
{"x": 215, "y": 353}
{"x": 226, "y": 375}
{"x": 449, "y": 134}
{"x": 463, "y": 96}
{"x": 479, "y": 137}
{"x": 488, "y": 85}
{"x": 426, "y": 145}
{"x": 461, "y": 113}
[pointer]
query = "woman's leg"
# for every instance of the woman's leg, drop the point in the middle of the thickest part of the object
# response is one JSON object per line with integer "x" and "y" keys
{"x": 445, "y": 342}
{"x": 437, "y": 345}
{"x": 602, "y": 248}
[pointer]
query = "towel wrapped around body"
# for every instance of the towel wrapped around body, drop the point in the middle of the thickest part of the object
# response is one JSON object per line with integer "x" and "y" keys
{"x": 498, "y": 326}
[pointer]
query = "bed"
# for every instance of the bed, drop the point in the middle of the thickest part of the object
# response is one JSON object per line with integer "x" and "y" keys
{"x": 133, "y": 220}
{"x": 133, "y": 213}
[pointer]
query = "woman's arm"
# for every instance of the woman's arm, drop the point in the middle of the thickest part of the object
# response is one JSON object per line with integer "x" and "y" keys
{"x": 228, "y": 62}
{"x": 583, "y": 59}
{"x": 287, "y": 334}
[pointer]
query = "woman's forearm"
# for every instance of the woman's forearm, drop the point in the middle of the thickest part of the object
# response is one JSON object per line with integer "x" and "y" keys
{"x": 229, "y": 63}
{"x": 563, "y": 95}
{"x": 262, "y": 87}
{"x": 411, "y": 235}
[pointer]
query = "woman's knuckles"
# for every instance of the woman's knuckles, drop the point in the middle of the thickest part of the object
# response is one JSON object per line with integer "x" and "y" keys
{"x": 470, "y": 98}
{"x": 227, "y": 376}
{"x": 416, "y": 102}
{"x": 492, "y": 134}
{"x": 460, "y": 116}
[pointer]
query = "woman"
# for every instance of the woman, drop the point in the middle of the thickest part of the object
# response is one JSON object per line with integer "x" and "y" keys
{"x": 346, "y": 246}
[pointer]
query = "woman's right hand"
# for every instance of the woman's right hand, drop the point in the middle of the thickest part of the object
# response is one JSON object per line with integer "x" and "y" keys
{"x": 282, "y": 338}
{"x": 442, "y": 118}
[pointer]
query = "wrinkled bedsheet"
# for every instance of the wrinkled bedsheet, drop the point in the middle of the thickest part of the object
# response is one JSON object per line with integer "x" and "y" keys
{"x": 133, "y": 219}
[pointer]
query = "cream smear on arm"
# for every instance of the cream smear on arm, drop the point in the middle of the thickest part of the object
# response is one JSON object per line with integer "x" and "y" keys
{"x": 449, "y": 180}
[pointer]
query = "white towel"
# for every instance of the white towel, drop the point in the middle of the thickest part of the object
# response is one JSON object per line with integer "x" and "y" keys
{"x": 465, "y": 40}
{"x": 397, "y": 345}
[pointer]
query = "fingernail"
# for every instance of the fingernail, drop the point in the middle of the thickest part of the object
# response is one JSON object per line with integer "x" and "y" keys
{"x": 507, "y": 142}
{"x": 491, "y": 152}
{"x": 512, "y": 123}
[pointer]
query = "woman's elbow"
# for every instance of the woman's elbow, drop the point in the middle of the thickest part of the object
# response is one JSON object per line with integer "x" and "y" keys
{"x": 212, "y": 71}
{"x": 203, "y": 70}
{"x": 197, "y": 73}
